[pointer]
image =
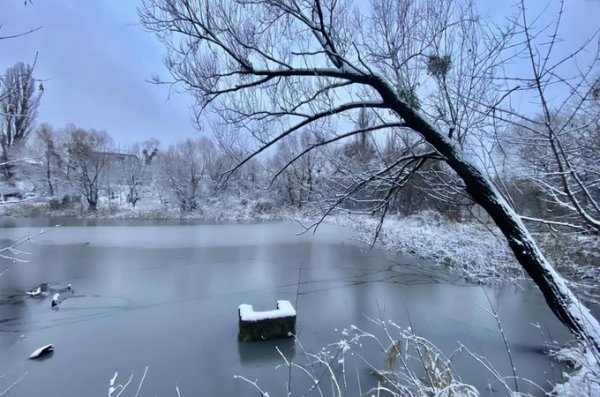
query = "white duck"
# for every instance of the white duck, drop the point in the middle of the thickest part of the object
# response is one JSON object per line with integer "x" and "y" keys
{"x": 55, "y": 301}
{"x": 34, "y": 292}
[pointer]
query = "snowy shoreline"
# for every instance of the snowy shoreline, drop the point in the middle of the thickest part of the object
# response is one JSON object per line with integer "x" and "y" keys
{"x": 475, "y": 251}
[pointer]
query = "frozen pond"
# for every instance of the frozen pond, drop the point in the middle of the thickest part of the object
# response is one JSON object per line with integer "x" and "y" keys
{"x": 166, "y": 296}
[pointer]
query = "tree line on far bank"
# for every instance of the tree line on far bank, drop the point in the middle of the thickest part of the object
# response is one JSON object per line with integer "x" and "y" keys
{"x": 74, "y": 166}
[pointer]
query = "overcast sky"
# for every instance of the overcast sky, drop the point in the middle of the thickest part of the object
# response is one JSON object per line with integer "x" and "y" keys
{"x": 96, "y": 58}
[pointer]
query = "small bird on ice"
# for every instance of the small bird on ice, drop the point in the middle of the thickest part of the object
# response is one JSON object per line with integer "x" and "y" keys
{"x": 55, "y": 301}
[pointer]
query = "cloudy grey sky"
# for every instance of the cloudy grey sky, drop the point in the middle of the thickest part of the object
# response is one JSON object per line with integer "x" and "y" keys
{"x": 96, "y": 58}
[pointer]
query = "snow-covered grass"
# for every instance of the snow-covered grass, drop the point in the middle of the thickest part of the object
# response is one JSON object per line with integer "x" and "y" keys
{"x": 410, "y": 365}
{"x": 585, "y": 379}
{"x": 477, "y": 252}
{"x": 577, "y": 258}
{"x": 480, "y": 254}
{"x": 212, "y": 210}
{"x": 404, "y": 365}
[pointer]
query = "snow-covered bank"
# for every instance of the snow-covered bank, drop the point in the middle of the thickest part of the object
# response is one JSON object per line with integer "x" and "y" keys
{"x": 477, "y": 252}
{"x": 213, "y": 210}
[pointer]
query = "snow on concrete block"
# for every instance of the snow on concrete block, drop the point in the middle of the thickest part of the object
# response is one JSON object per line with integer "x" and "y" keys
{"x": 271, "y": 324}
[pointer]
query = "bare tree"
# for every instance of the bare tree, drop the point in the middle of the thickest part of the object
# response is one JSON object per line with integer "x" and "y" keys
{"x": 134, "y": 176}
{"x": 48, "y": 142}
{"x": 87, "y": 162}
{"x": 297, "y": 179}
{"x": 19, "y": 101}
{"x": 185, "y": 168}
{"x": 273, "y": 67}
{"x": 136, "y": 171}
{"x": 42, "y": 162}
{"x": 558, "y": 146}
{"x": 147, "y": 150}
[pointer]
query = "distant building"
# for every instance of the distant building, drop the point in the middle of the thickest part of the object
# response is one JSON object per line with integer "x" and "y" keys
{"x": 120, "y": 159}
{"x": 118, "y": 165}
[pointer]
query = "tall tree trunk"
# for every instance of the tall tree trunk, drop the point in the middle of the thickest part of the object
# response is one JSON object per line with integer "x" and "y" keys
{"x": 6, "y": 166}
{"x": 557, "y": 294}
{"x": 49, "y": 177}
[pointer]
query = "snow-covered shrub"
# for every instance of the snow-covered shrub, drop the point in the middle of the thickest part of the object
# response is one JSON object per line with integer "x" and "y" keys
{"x": 263, "y": 207}
{"x": 54, "y": 204}
{"x": 577, "y": 258}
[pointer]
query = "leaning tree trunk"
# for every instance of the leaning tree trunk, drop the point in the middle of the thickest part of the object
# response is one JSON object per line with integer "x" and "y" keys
{"x": 559, "y": 297}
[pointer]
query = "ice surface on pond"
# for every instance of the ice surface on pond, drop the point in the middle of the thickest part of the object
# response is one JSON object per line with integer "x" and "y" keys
{"x": 176, "y": 236}
{"x": 284, "y": 309}
{"x": 122, "y": 293}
